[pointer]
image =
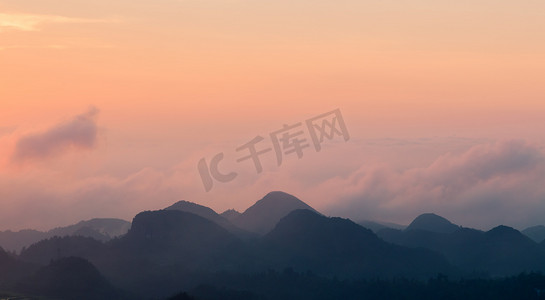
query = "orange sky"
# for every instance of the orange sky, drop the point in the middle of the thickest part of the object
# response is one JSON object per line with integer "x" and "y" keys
{"x": 178, "y": 80}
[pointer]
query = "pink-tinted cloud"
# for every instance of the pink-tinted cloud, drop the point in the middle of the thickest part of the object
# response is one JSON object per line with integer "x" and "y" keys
{"x": 489, "y": 184}
{"x": 483, "y": 185}
{"x": 79, "y": 133}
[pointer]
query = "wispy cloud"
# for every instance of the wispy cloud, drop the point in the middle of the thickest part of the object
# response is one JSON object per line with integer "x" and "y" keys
{"x": 487, "y": 185}
{"x": 32, "y": 22}
{"x": 80, "y": 133}
{"x": 58, "y": 46}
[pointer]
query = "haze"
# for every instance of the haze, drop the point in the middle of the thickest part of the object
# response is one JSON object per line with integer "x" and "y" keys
{"x": 106, "y": 107}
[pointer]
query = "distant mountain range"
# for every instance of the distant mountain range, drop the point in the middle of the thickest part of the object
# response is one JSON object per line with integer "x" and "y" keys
{"x": 99, "y": 229}
{"x": 536, "y": 233}
{"x": 186, "y": 245}
{"x": 306, "y": 240}
{"x": 230, "y": 214}
{"x": 376, "y": 226}
{"x": 499, "y": 252}
{"x": 259, "y": 218}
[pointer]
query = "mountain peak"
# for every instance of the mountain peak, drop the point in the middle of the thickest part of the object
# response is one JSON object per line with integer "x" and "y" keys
{"x": 536, "y": 233}
{"x": 265, "y": 213}
{"x": 279, "y": 196}
{"x": 303, "y": 230}
{"x": 188, "y": 206}
{"x": 230, "y": 214}
{"x": 207, "y": 213}
{"x": 432, "y": 222}
{"x": 503, "y": 231}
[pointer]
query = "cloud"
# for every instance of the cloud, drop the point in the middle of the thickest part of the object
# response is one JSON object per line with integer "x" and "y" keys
{"x": 32, "y": 22}
{"x": 481, "y": 185}
{"x": 79, "y": 133}
{"x": 489, "y": 184}
{"x": 59, "y": 46}
{"x": 44, "y": 198}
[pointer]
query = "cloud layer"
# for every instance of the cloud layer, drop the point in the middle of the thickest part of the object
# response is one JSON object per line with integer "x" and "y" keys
{"x": 489, "y": 184}
{"x": 482, "y": 186}
{"x": 79, "y": 133}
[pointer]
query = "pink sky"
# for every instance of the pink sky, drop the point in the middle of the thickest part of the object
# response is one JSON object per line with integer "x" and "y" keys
{"x": 106, "y": 107}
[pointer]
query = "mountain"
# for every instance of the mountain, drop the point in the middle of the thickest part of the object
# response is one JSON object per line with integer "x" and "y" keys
{"x": 69, "y": 278}
{"x": 177, "y": 236}
{"x": 163, "y": 251}
{"x": 12, "y": 269}
{"x": 167, "y": 250}
{"x": 432, "y": 222}
{"x": 170, "y": 251}
{"x": 376, "y": 226}
{"x": 498, "y": 252}
{"x": 230, "y": 214}
{"x": 510, "y": 251}
{"x": 536, "y": 233}
{"x": 306, "y": 240}
{"x": 208, "y": 214}
{"x": 99, "y": 229}
{"x": 56, "y": 247}
{"x": 265, "y": 213}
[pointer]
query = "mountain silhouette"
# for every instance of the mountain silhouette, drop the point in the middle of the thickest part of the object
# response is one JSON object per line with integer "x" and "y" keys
{"x": 230, "y": 214}
{"x": 265, "y": 213}
{"x": 306, "y": 240}
{"x": 69, "y": 278}
{"x": 99, "y": 228}
{"x": 432, "y": 222}
{"x": 176, "y": 237}
{"x": 376, "y": 226}
{"x": 536, "y": 233}
{"x": 12, "y": 269}
{"x": 208, "y": 214}
{"x": 102, "y": 229}
{"x": 171, "y": 251}
{"x": 498, "y": 252}
{"x": 56, "y": 247}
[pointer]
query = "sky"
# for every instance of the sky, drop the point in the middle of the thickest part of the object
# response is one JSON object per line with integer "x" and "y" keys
{"x": 108, "y": 108}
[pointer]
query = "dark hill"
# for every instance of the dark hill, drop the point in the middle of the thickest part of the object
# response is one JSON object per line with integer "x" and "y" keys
{"x": 101, "y": 229}
{"x": 432, "y": 222}
{"x": 54, "y": 248}
{"x": 208, "y": 214}
{"x": 69, "y": 278}
{"x": 498, "y": 252}
{"x": 168, "y": 250}
{"x": 12, "y": 269}
{"x": 306, "y": 240}
{"x": 172, "y": 236}
{"x": 265, "y": 213}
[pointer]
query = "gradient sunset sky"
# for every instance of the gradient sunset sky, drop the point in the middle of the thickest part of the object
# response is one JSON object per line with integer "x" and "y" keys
{"x": 106, "y": 107}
